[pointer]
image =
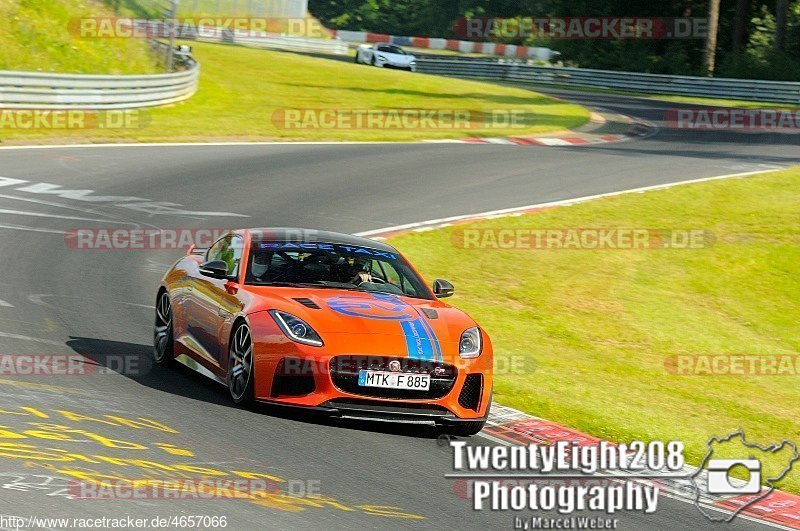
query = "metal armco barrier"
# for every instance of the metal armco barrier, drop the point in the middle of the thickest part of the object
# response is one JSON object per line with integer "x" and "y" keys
{"x": 261, "y": 39}
{"x": 724, "y": 88}
{"x": 36, "y": 90}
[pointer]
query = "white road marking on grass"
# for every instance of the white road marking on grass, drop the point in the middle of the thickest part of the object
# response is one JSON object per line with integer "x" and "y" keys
{"x": 564, "y": 202}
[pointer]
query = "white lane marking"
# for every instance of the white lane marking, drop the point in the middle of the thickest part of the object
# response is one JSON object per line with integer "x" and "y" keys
{"x": 68, "y": 207}
{"x": 563, "y": 202}
{"x": 38, "y": 298}
{"x": 4, "y": 304}
{"x": 205, "y": 144}
{"x": 31, "y": 229}
{"x": 86, "y": 195}
{"x": 57, "y": 216}
{"x": 35, "y": 339}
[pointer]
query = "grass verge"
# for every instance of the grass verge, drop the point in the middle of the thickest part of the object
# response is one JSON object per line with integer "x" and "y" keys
{"x": 35, "y": 36}
{"x": 241, "y": 88}
{"x": 596, "y": 328}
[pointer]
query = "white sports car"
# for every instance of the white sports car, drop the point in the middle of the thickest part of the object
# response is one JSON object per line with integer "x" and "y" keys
{"x": 386, "y": 56}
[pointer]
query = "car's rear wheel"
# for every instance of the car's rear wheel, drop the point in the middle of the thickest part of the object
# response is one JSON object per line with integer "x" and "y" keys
{"x": 240, "y": 366}
{"x": 163, "y": 338}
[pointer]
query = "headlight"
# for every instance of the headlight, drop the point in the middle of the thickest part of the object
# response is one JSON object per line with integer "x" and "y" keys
{"x": 469, "y": 346}
{"x": 296, "y": 329}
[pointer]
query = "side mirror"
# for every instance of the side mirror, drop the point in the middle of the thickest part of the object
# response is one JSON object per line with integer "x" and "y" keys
{"x": 215, "y": 269}
{"x": 442, "y": 288}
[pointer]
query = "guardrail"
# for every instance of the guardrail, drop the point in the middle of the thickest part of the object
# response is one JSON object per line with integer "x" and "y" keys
{"x": 263, "y": 39}
{"x": 489, "y": 48}
{"x": 711, "y": 87}
{"x": 35, "y": 90}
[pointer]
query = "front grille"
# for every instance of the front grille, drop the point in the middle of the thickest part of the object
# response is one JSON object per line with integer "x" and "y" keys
{"x": 293, "y": 377}
{"x": 470, "y": 396}
{"x": 344, "y": 373}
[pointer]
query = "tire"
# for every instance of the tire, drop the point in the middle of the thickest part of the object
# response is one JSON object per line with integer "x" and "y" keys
{"x": 374, "y": 62}
{"x": 466, "y": 429}
{"x": 163, "y": 335}
{"x": 240, "y": 375}
{"x": 356, "y": 59}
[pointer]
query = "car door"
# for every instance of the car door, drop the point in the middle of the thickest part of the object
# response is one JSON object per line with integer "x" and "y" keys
{"x": 214, "y": 302}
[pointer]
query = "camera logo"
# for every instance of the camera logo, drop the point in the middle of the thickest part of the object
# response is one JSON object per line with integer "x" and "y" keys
{"x": 720, "y": 480}
{"x": 725, "y": 477}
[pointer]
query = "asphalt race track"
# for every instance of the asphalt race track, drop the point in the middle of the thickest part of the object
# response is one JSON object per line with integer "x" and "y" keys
{"x": 57, "y": 300}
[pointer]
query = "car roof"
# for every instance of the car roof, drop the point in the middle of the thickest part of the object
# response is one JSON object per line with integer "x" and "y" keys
{"x": 314, "y": 236}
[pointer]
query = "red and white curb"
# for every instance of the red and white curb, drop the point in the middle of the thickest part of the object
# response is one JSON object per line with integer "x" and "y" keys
{"x": 638, "y": 129}
{"x": 540, "y": 141}
{"x": 510, "y": 426}
{"x": 488, "y": 48}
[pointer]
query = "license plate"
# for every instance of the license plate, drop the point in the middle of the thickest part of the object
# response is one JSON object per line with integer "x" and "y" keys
{"x": 394, "y": 380}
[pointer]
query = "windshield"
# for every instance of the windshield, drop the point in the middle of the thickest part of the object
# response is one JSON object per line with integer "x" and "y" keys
{"x": 335, "y": 266}
{"x": 391, "y": 49}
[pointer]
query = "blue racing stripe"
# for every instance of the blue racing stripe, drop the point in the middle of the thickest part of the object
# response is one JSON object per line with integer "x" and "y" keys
{"x": 437, "y": 348}
{"x": 418, "y": 343}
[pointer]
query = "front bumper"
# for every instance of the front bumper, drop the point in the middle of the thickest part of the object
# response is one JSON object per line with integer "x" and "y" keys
{"x": 374, "y": 411}
{"x": 292, "y": 374}
{"x": 398, "y": 66}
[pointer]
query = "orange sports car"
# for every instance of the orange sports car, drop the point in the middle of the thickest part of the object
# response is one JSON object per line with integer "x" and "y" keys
{"x": 326, "y": 321}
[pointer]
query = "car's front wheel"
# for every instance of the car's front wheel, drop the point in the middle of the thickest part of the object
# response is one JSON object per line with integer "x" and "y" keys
{"x": 240, "y": 366}
{"x": 163, "y": 338}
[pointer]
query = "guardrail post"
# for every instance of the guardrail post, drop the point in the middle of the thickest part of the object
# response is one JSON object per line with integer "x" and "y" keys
{"x": 171, "y": 15}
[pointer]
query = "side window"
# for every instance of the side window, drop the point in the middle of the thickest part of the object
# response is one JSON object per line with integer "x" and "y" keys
{"x": 387, "y": 272}
{"x": 215, "y": 251}
{"x": 236, "y": 250}
{"x": 229, "y": 250}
